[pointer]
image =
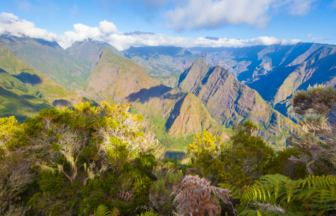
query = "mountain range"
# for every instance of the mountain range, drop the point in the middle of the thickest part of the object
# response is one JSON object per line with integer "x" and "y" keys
{"x": 179, "y": 91}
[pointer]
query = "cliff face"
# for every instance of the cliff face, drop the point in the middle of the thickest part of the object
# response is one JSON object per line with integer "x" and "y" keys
{"x": 118, "y": 79}
{"x": 231, "y": 102}
{"x": 316, "y": 66}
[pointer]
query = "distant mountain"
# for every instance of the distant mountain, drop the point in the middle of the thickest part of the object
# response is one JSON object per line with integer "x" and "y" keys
{"x": 115, "y": 77}
{"x": 275, "y": 71}
{"x": 212, "y": 38}
{"x": 88, "y": 51}
{"x": 301, "y": 66}
{"x": 24, "y": 91}
{"x": 230, "y": 102}
{"x": 174, "y": 116}
{"x": 163, "y": 63}
{"x": 48, "y": 58}
{"x": 139, "y": 33}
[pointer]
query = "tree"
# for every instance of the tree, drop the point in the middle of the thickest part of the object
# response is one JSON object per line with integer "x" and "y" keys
{"x": 240, "y": 161}
{"x": 317, "y": 140}
{"x": 15, "y": 172}
{"x": 68, "y": 150}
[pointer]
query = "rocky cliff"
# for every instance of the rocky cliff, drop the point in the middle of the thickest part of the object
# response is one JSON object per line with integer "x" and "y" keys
{"x": 230, "y": 102}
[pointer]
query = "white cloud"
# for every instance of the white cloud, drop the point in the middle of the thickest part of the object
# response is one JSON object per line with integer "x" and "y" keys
{"x": 199, "y": 14}
{"x": 315, "y": 39}
{"x": 9, "y": 23}
{"x": 7, "y": 17}
{"x": 107, "y": 27}
{"x": 108, "y": 32}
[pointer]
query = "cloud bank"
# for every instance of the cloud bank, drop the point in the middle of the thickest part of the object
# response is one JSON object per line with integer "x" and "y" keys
{"x": 108, "y": 32}
{"x": 209, "y": 14}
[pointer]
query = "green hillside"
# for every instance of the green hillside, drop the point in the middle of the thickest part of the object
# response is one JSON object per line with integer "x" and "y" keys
{"x": 25, "y": 91}
{"x": 48, "y": 58}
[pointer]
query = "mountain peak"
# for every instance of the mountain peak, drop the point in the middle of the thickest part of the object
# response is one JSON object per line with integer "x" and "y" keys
{"x": 230, "y": 101}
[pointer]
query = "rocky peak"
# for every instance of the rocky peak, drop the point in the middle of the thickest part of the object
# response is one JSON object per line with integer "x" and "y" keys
{"x": 229, "y": 101}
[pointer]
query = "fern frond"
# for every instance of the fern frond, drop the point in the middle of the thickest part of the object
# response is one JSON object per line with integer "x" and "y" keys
{"x": 101, "y": 211}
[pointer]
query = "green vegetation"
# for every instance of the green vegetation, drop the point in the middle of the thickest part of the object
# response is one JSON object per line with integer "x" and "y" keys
{"x": 24, "y": 91}
{"x": 179, "y": 144}
{"x": 98, "y": 161}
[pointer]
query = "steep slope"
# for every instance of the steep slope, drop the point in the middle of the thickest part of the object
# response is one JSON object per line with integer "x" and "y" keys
{"x": 301, "y": 66}
{"x": 115, "y": 78}
{"x": 190, "y": 116}
{"x": 48, "y": 58}
{"x": 318, "y": 68}
{"x": 230, "y": 101}
{"x": 174, "y": 116}
{"x": 25, "y": 91}
{"x": 88, "y": 51}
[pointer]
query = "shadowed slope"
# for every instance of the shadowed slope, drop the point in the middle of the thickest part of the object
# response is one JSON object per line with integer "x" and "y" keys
{"x": 231, "y": 102}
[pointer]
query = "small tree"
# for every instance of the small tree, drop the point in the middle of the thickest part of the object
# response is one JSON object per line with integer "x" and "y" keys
{"x": 317, "y": 140}
{"x": 240, "y": 161}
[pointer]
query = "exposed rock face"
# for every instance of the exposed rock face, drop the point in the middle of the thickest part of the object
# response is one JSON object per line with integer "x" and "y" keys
{"x": 121, "y": 80}
{"x": 318, "y": 68}
{"x": 231, "y": 102}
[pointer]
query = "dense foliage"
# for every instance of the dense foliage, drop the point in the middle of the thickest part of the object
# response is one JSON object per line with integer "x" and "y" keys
{"x": 99, "y": 161}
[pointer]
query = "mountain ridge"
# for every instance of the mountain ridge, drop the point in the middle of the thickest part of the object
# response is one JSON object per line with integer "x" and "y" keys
{"x": 231, "y": 102}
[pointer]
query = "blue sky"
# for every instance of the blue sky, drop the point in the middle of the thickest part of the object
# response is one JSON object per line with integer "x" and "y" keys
{"x": 305, "y": 20}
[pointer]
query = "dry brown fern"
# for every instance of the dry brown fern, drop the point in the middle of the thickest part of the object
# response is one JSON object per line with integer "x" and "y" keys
{"x": 195, "y": 196}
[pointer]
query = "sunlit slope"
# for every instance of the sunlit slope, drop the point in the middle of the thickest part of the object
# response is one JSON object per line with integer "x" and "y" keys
{"x": 25, "y": 91}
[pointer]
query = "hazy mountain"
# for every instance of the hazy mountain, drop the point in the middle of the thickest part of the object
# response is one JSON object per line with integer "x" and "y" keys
{"x": 212, "y": 38}
{"x": 275, "y": 71}
{"x": 139, "y": 33}
{"x": 163, "y": 63}
{"x": 24, "y": 91}
{"x": 231, "y": 102}
{"x": 48, "y": 58}
{"x": 88, "y": 51}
